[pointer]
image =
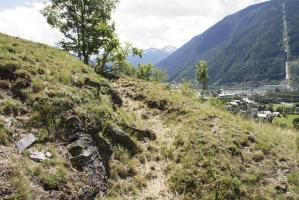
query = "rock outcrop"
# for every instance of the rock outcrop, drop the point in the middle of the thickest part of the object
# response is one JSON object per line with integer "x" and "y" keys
{"x": 117, "y": 135}
{"x": 115, "y": 96}
{"x": 142, "y": 134}
{"x": 90, "y": 155}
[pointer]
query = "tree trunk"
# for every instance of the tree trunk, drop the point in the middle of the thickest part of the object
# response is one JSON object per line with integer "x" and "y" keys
{"x": 86, "y": 59}
{"x": 204, "y": 86}
{"x": 83, "y": 34}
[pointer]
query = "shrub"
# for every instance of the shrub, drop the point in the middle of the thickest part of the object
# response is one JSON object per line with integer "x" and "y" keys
{"x": 4, "y": 135}
{"x": 216, "y": 102}
{"x": 186, "y": 89}
{"x": 64, "y": 77}
{"x": 293, "y": 178}
{"x": 4, "y": 84}
{"x": 20, "y": 183}
{"x": 11, "y": 106}
{"x": 50, "y": 178}
{"x": 18, "y": 88}
{"x": 52, "y": 172}
{"x": 168, "y": 153}
{"x": 37, "y": 85}
{"x": 264, "y": 146}
{"x": 121, "y": 154}
{"x": 50, "y": 113}
{"x": 23, "y": 74}
{"x": 43, "y": 135}
{"x": 7, "y": 70}
{"x": 149, "y": 72}
{"x": 296, "y": 123}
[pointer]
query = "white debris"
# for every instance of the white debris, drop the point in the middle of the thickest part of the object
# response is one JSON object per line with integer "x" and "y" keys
{"x": 48, "y": 154}
{"x": 40, "y": 156}
{"x": 25, "y": 142}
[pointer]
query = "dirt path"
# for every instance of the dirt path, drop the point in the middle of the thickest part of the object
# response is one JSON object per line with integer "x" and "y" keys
{"x": 157, "y": 187}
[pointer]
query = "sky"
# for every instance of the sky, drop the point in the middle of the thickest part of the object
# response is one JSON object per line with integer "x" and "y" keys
{"x": 144, "y": 23}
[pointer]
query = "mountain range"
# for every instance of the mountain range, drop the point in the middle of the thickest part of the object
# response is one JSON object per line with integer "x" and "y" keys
{"x": 243, "y": 47}
{"x": 152, "y": 56}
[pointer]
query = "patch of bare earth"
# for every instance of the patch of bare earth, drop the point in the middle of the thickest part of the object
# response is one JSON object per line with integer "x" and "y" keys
{"x": 155, "y": 164}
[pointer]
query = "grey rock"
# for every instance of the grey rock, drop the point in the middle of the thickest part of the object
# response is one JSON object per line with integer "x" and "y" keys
{"x": 103, "y": 147}
{"x": 143, "y": 134}
{"x": 83, "y": 159}
{"x": 25, "y": 142}
{"x": 115, "y": 97}
{"x": 73, "y": 128}
{"x": 281, "y": 187}
{"x": 160, "y": 105}
{"x": 90, "y": 154}
{"x": 119, "y": 136}
{"x": 77, "y": 147}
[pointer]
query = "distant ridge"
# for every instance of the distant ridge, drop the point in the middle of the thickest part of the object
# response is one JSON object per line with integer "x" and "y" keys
{"x": 152, "y": 56}
{"x": 243, "y": 47}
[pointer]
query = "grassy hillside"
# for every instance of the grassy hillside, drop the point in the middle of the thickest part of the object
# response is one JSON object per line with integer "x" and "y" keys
{"x": 153, "y": 143}
{"x": 42, "y": 90}
{"x": 243, "y": 47}
{"x": 211, "y": 154}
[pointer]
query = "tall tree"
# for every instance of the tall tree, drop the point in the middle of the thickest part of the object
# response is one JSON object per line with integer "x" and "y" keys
{"x": 202, "y": 74}
{"x": 86, "y": 25}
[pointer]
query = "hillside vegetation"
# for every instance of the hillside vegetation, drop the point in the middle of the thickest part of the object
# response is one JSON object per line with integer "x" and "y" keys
{"x": 244, "y": 47}
{"x": 128, "y": 138}
{"x": 66, "y": 105}
{"x": 211, "y": 154}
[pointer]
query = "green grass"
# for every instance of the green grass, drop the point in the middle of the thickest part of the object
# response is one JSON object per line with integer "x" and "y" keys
{"x": 51, "y": 178}
{"x": 5, "y": 135}
{"x": 10, "y": 106}
{"x": 46, "y": 86}
{"x": 217, "y": 155}
{"x": 50, "y": 82}
{"x": 279, "y": 105}
{"x": 285, "y": 121}
{"x": 21, "y": 184}
{"x": 293, "y": 179}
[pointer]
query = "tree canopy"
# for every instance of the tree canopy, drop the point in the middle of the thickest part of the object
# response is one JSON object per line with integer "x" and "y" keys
{"x": 150, "y": 73}
{"x": 202, "y": 73}
{"x": 86, "y": 25}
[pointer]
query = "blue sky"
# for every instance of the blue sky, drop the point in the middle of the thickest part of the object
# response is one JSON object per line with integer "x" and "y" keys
{"x": 145, "y": 23}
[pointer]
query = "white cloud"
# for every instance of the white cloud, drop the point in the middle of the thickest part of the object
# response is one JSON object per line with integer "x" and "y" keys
{"x": 157, "y": 23}
{"x": 27, "y": 22}
{"x": 145, "y": 23}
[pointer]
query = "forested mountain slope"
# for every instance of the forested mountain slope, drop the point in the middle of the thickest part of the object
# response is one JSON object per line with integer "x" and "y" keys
{"x": 243, "y": 47}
